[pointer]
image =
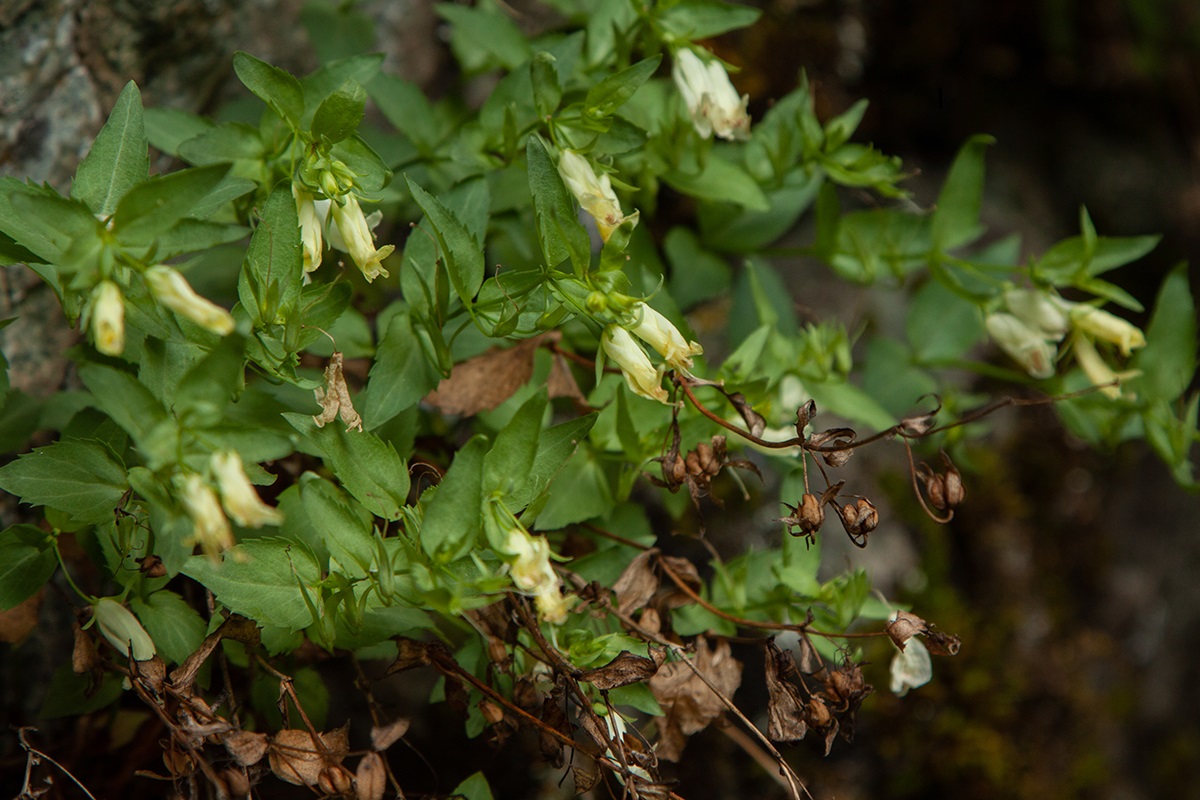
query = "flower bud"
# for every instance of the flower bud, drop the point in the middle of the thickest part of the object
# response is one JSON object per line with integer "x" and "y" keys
{"x": 594, "y": 193}
{"x": 118, "y": 624}
{"x": 210, "y": 527}
{"x": 173, "y": 291}
{"x": 1098, "y": 372}
{"x": 640, "y": 375}
{"x": 238, "y": 496}
{"x": 1026, "y": 346}
{"x": 356, "y": 235}
{"x": 108, "y": 319}
{"x": 711, "y": 100}
{"x": 311, "y": 226}
{"x": 1039, "y": 310}
{"x": 1107, "y": 327}
{"x": 657, "y": 331}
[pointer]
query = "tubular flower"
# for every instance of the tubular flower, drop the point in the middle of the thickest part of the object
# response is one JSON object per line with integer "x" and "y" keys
{"x": 657, "y": 331}
{"x": 173, "y": 291}
{"x": 640, "y": 374}
{"x": 1028, "y": 347}
{"x": 210, "y": 527}
{"x": 711, "y": 99}
{"x": 1039, "y": 310}
{"x": 118, "y": 624}
{"x": 911, "y": 667}
{"x": 108, "y": 319}
{"x": 594, "y": 193}
{"x": 532, "y": 573}
{"x": 241, "y": 501}
{"x": 311, "y": 224}
{"x": 356, "y": 235}
{"x": 1098, "y": 372}
{"x": 1106, "y": 327}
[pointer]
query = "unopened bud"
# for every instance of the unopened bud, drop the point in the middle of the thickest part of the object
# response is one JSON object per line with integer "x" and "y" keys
{"x": 121, "y": 627}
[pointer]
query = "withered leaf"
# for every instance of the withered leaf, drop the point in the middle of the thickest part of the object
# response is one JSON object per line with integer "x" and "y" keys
{"x": 19, "y": 621}
{"x": 688, "y": 704}
{"x": 410, "y": 653}
{"x": 638, "y": 582}
{"x": 384, "y": 736}
{"x": 370, "y": 779}
{"x": 334, "y": 397}
{"x": 554, "y": 716}
{"x": 487, "y": 380}
{"x": 754, "y": 421}
{"x": 942, "y": 644}
{"x": 152, "y": 673}
{"x": 246, "y": 747}
{"x": 809, "y": 661}
{"x": 297, "y": 757}
{"x": 561, "y": 382}
{"x": 785, "y": 705}
{"x": 584, "y": 778}
{"x": 84, "y": 658}
{"x": 686, "y": 572}
{"x": 904, "y": 627}
{"x": 623, "y": 670}
{"x": 234, "y": 627}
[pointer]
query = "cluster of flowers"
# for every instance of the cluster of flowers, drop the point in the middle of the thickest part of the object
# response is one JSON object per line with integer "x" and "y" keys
{"x": 1035, "y": 322}
{"x": 237, "y": 495}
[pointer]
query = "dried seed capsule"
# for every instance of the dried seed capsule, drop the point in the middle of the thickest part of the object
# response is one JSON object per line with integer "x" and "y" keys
{"x": 811, "y": 513}
{"x": 935, "y": 487}
{"x": 955, "y": 491}
{"x": 868, "y": 516}
{"x": 804, "y": 415}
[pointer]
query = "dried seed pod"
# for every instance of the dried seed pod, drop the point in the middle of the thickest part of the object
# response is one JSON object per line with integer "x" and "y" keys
{"x": 675, "y": 471}
{"x": 849, "y": 515}
{"x": 236, "y": 782}
{"x": 868, "y": 516}
{"x": 942, "y": 644}
{"x": 812, "y": 513}
{"x": 491, "y": 712}
{"x": 497, "y": 650}
{"x": 152, "y": 566}
{"x": 804, "y": 415}
{"x": 837, "y": 458}
{"x": 955, "y": 491}
{"x": 335, "y": 780}
{"x": 935, "y": 487}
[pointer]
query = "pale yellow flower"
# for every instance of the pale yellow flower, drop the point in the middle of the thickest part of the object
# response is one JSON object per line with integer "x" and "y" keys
{"x": 356, "y": 235}
{"x": 1039, "y": 310}
{"x": 712, "y": 101}
{"x": 1107, "y": 327}
{"x": 1096, "y": 369}
{"x": 210, "y": 528}
{"x": 118, "y": 624}
{"x": 640, "y": 375}
{"x": 593, "y": 192}
{"x": 238, "y": 496}
{"x": 108, "y": 319}
{"x": 533, "y": 574}
{"x": 311, "y": 225}
{"x": 173, "y": 291}
{"x": 657, "y": 331}
{"x": 1028, "y": 347}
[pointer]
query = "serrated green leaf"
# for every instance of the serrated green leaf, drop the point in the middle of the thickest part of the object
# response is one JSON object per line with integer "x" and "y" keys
{"x": 400, "y": 375}
{"x": 560, "y": 234}
{"x": 176, "y": 628}
{"x": 556, "y": 444}
{"x": 27, "y": 561}
{"x": 462, "y": 254}
{"x": 546, "y": 91}
{"x": 506, "y": 468}
{"x": 343, "y": 526}
{"x": 580, "y": 492}
{"x": 119, "y": 158}
{"x": 261, "y": 579}
{"x": 58, "y": 230}
{"x": 367, "y": 466}
{"x": 318, "y": 85}
{"x": 269, "y": 283}
{"x": 80, "y": 478}
{"x": 956, "y": 216}
{"x": 274, "y": 86}
{"x": 454, "y": 517}
{"x": 340, "y": 113}
{"x": 208, "y": 387}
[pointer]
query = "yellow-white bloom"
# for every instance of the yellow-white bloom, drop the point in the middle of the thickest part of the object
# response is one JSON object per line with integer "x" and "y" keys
{"x": 311, "y": 225}
{"x": 1107, "y": 327}
{"x": 710, "y": 97}
{"x": 911, "y": 667}
{"x": 1028, "y": 347}
{"x": 173, "y": 291}
{"x": 532, "y": 573}
{"x": 118, "y": 624}
{"x": 594, "y": 192}
{"x": 238, "y": 496}
{"x": 356, "y": 235}
{"x": 1097, "y": 370}
{"x": 210, "y": 528}
{"x": 108, "y": 319}
{"x": 1041, "y": 311}
{"x": 639, "y": 373}
{"x": 657, "y": 331}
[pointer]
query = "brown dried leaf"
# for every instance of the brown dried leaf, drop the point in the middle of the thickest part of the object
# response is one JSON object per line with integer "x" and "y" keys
{"x": 297, "y": 757}
{"x": 904, "y": 627}
{"x": 689, "y": 705}
{"x": 809, "y": 661}
{"x": 370, "y": 780}
{"x": 584, "y": 778}
{"x": 623, "y": 670}
{"x": 84, "y": 658}
{"x": 334, "y": 397}
{"x": 234, "y": 627}
{"x": 19, "y": 621}
{"x": 384, "y": 736}
{"x": 754, "y": 421}
{"x": 554, "y": 716}
{"x": 246, "y": 747}
{"x": 487, "y": 380}
{"x": 152, "y": 673}
{"x": 686, "y": 572}
{"x": 638, "y": 582}
{"x": 942, "y": 644}
{"x": 785, "y": 706}
{"x": 561, "y": 381}
{"x": 410, "y": 653}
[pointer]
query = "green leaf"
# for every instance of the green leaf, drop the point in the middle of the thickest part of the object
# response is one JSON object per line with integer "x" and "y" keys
{"x": 367, "y": 466}
{"x": 229, "y": 142}
{"x": 474, "y": 788}
{"x": 506, "y": 468}
{"x": 407, "y": 108}
{"x": 176, "y": 628}
{"x": 611, "y": 93}
{"x": 848, "y": 401}
{"x": 60, "y": 231}
{"x": 462, "y": 253}
{"x": 560, "y": 234}
{"x": 339, "y": 114}
{"x": 274, "y": 86}
{"x": 720, "y": 180}
{"x": 155, "y": 205}
{"x": 344, "y": 526}
{"x": 703, "y": 19}
{"x": 129, "y": 403}
{"x": 546, "y": 90}
{"x": 580, "y": 492}
{"x": 555, "y": 445}
{"x": 956, "y": 216}
{"x": 168, "y": 128}
{"x": 269, "y": 283}
{"x": 484, "y": 36}
{"x": 400, "y": 375}
{"x": 1168, "y": 361}
{"x": 454, "y": 517}
{"x": 206, "y": 390}
{"x": 78, "y": 477}
{"x": 27, "y": 561}
{"x": 119, "y": 158}
{"x": 261, "y": 579}
{"x": 941, "y": 325}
